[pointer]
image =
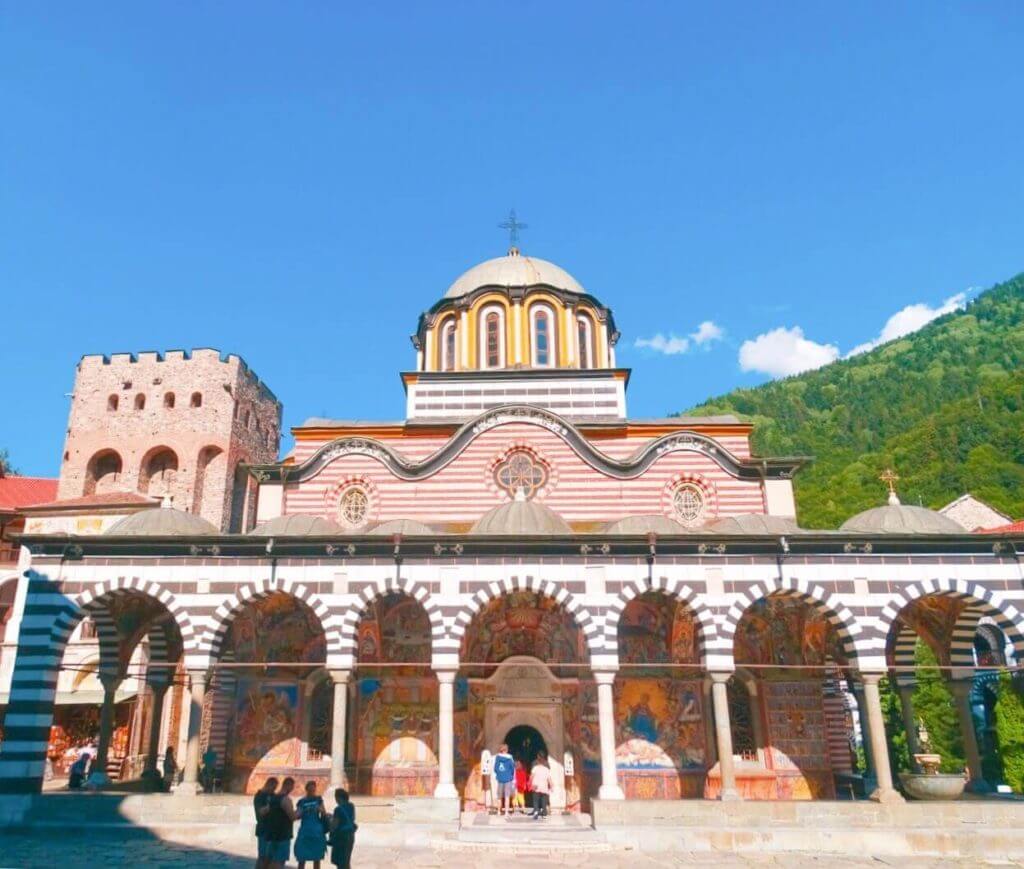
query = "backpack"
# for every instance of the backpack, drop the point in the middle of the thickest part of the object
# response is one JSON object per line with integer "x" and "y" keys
{"x": 504, "y": 768}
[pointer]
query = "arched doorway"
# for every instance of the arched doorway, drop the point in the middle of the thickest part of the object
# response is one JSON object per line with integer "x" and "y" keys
{"x": 525, "y": 744}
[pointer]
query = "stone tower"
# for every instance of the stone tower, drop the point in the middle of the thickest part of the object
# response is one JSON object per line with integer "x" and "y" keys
{"x": 174, "y": 425}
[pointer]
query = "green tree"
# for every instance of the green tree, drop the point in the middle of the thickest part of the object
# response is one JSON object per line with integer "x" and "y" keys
{"x": 6, "y": 469}
{"x": 935, "y": 706}
{"x": 1010, "y": 732}
{"x": 895, "y": 733}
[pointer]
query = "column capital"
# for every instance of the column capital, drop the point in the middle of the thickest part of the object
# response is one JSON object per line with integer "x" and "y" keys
{"x": 604, "y": 677}
{"x": 446, "y": 677}
{"x": 199, "y": 676}
{"x": 869, "y": 678}
{"x": 110, "y": 681}
{"x": 720, "y": 678}
{"x": 340, "y": 677}
{"x": 960, "y": 688}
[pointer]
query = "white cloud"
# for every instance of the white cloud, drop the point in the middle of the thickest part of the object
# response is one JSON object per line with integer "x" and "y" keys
{"x": 910, "y": 319}
{"x": 707, "y": 333}
{"x": 673, "y": 345}
{"x": 783, "y": 352}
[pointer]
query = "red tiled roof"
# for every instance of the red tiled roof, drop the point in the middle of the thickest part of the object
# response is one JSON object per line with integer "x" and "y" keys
{"x": 25, "y": 491}
{"x": 1012, "y": 528}
{"x": 107, "y": 499}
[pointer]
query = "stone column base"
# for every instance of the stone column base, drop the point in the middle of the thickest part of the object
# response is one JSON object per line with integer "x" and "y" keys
{"x": 610, "y": 792}
{"x": 446, "y": 792}
{"x": 886, "y": 798}
{"x": 187, "y": 789}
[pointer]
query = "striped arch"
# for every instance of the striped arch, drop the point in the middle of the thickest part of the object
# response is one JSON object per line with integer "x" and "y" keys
{"x": 673, "y": 589}
{"x": 347, "y": 623}
{"x": 212, "y": 642}
{"x": 91, "y": 603}
{"x": 981, "y": 602}
{"x": 826, "y": 604}
{"x": 584, "y": 620}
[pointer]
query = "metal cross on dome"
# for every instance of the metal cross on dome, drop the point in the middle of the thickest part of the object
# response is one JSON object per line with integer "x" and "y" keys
{"x": 513, "y": 225}
{"x": 890, "y": 477}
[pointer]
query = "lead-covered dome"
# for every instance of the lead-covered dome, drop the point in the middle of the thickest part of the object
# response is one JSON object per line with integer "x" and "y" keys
{"x": 520, "y": 517}
{"x": 653, "y": 523}
{"x": 161, "y": 522}
{"x": 405, "y": 527}
{"x": 901, "y": 519}
{"x": 514, "y": 270}
{"x": 754, "y": 523}
{"x": 297, "y": 525}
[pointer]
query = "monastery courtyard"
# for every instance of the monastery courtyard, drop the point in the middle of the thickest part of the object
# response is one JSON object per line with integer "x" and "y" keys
{"x": 36, "y": 850}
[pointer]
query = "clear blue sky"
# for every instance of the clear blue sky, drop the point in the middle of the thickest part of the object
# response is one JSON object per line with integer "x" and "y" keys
{"x": 295, "y": 182}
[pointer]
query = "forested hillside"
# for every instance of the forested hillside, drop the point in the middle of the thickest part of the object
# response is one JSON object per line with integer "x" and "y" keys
{"x": 943, "y": 406}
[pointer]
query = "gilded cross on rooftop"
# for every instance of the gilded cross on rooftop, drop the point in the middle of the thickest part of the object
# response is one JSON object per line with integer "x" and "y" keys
{"x": 513, "y": 225}
{"x": 890, "y": 476}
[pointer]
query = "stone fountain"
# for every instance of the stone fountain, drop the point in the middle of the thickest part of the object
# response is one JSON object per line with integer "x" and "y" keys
{"x": 929, "y": 783}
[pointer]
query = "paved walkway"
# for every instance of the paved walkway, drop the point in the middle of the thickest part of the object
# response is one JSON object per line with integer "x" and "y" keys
{"x": 46, "y": 850}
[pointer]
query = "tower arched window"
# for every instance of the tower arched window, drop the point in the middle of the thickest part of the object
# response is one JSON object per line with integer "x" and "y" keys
{"x": 448, "y": 346}
{"x": 103, "y": 472}
{"x": 140, "y": 402}
{"x": 542, "y": 326}
{"x": 112, "y": 402}
{"x": 158, "y": 471}
{"x": 197, "y": 400}
{"x": 585, "y": 342}
{"x": 169, "y": 400}
{"x": 492, "y": 338}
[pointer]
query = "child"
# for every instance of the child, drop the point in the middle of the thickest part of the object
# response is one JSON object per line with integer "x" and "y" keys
{"x": 522, "y": 787}
{"x": 343, "y": 830}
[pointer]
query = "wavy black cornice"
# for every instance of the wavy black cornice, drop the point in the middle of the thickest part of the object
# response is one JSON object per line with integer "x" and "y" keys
{"x": 627, "y": 469}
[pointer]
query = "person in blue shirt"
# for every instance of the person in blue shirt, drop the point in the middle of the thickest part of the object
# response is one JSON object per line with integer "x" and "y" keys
{"x": 343, "y": 829}
{"x": 505, "y": 777}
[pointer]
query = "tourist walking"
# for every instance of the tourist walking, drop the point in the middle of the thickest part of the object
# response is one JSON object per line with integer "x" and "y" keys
{"x": 311, "y": 841}
{"x": 76, "y": 774}
{"x": 280, "y": 817}
{"x": 170, "y": 768}
{"x": 209, "y": 769}
{"x": 343, "y": 829}
{"x": 261, "y": 808}
{"x": 541, "y": 783}
{"x": 505, "y": 776}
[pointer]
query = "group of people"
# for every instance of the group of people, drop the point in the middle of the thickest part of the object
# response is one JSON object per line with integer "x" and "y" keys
{"x": 515, "y": 787}
{"x": 276, "y": 815}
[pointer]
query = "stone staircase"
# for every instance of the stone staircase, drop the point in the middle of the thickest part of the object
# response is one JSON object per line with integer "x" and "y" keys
{"x": 522, "y": 836}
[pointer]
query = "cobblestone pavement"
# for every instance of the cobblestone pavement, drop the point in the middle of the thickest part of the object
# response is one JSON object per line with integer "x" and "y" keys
{"x": 45, "y": 850}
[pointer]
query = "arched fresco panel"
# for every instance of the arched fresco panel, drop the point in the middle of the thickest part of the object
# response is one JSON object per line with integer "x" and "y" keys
{"x": 395, "y": 701}
{"x": 661, "y": 738}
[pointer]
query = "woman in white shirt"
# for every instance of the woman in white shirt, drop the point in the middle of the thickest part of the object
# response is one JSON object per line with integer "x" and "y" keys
{"x": 541, "y": 784}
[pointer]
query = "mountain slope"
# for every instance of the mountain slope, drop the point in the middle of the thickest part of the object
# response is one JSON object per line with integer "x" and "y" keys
{"x": 943, "y": 406}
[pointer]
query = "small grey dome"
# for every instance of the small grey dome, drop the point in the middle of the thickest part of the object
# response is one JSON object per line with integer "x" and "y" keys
{"x": 521, "y": 517}
{"x": 513, "y": 270}
{"x": 297, "y": 525}
{"x": 901, "y": 519}
{"x": 646, "y": 524}
{"x": 405, "y": 527}
{"x": 754, "y": 523}
{"x": 161, "y": 522}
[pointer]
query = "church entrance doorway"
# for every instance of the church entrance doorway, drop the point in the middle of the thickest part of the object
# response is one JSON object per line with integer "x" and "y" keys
{"x": 525, "y": 743}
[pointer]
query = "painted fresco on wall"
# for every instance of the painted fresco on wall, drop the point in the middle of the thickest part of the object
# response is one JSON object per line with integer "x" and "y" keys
{"x": 933, "y": 619}
{"x": 658, "y": 630}
{"x": 265, "y": 724}
{"x": 659, "y": 724}
{"x": 396, "y": 736}
{"x": 524, "y": 623}
{"x": 781, "y": 630}
{"x": 277, "y": 628}
{"x": 395, "y": 629}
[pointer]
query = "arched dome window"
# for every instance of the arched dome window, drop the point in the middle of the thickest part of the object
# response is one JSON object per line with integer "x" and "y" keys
{"x": 585, "y": 341}
{"x": 542, "y": 328}
{"x": 448, "y": 345}
{"x": 492, "y": 337}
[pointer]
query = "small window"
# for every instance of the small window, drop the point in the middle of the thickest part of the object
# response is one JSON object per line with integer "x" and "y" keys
{"x": 169, "y": 400}
{"x": 688, "y": 504}
{"x": 140, "y": 402}
{"x": 112, "y": 402}
{"x": 353, "y": 507}
{"x": 586, "y": 346}
{"x": 542, "y": 330}
{"x": 245, "y": 419}
{"x": 492, "y": 325}
{"x": 448, "y": 346}
{"x": 197, "y": 400}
